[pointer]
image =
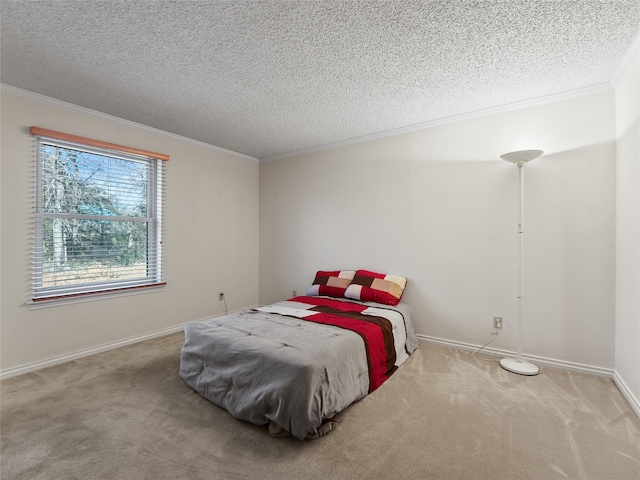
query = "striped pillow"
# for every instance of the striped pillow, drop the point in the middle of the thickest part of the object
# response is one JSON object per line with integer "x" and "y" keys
{"x": 331, "y": 283}
{"x": 376, "y": 287}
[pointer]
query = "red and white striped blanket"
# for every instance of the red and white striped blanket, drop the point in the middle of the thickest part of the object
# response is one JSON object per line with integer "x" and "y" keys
{"x": 375, "y": 325}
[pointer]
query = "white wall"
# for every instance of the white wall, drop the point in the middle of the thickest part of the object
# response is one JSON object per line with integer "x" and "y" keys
{"x": 435, "y": 205}
{"x": 627, "y": 344}
{"x": 211, "y": 241}
{"x": 439, "y": 207}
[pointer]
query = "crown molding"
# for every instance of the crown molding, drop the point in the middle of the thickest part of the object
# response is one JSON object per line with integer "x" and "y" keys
{"x": 36, "y": 97}
{"x": 628, "y": 58}
{"x": 366, "y": 138}
{"x": 557, "y": 97}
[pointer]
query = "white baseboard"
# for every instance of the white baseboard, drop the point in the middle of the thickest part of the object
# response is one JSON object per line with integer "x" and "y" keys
{"x": 603, "y": 372}
{"x": 551, "y": 362}
{"x": 626, "y": 393}
{"x": 50, "y": 362}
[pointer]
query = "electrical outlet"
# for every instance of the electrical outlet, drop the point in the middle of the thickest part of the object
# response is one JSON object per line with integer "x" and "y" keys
{"x": 221, "y": 296}
{"x": 497, "y": 322}
{"x": 295, "y": 293}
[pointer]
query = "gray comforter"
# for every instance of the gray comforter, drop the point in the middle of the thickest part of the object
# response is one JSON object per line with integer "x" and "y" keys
{"x": 274, "y": 368}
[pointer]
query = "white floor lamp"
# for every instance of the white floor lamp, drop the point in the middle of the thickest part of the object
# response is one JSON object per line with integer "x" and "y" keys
{"x": 520, "y": 159}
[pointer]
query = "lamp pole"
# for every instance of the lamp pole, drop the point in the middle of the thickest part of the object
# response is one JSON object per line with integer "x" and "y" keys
{"x": 517, "y": 365}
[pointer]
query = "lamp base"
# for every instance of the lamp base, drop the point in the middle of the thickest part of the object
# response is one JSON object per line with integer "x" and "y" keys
{"x": 522, "y": 368}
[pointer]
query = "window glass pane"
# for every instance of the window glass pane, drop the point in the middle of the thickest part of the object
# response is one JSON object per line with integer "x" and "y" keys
{"x": 77, "y": 182}
{"x": 86, "y": 251}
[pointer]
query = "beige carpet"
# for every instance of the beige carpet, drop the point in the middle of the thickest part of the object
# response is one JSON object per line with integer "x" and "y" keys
{"x": 445, "y": 414}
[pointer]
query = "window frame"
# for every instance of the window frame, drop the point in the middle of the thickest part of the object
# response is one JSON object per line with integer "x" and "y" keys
{"x": 155, "y": 191}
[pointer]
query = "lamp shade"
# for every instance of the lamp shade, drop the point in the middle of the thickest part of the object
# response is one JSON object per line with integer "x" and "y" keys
{"x": 521, "y": 156}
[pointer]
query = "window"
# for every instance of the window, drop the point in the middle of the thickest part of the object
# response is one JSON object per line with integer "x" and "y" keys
{"x": 98, "y": 217}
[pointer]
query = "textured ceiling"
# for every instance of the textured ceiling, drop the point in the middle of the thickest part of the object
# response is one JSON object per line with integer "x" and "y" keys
{"x": 266, "y": 78}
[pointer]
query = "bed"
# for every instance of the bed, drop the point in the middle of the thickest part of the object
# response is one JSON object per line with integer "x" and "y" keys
{"x": 295, "y": 364}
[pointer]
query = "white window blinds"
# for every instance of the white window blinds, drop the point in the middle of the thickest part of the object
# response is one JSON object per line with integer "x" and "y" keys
{"x": 98, "y": 217}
